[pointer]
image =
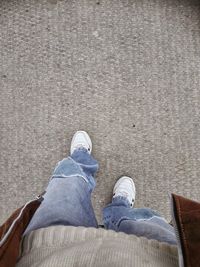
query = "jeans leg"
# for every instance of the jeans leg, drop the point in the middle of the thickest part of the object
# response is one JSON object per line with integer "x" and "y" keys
{"x": 121, "y": 217}
{"x": 67, "y": 200}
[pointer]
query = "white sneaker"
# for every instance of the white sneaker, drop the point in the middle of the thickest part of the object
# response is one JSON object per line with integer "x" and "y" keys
{"x": 79, "y": 140}
{"x": 125, "y": 187}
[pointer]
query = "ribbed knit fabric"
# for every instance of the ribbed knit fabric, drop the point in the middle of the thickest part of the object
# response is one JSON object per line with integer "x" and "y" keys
{"x": 79, "y": 246}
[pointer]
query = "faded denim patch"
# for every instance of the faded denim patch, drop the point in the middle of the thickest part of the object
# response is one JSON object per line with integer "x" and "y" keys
{"x": 68, "y": 168}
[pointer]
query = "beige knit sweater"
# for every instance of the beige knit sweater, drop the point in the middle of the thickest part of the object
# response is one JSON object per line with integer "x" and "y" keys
{"x": 68, "y": 246}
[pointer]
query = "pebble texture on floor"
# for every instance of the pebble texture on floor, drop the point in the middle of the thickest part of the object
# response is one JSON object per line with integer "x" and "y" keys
{"x": 126, "y": 71}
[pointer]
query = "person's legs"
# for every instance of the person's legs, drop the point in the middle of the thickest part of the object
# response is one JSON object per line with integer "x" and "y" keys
{"x": 121, "y": 217}
{"x": 67, "y": 200}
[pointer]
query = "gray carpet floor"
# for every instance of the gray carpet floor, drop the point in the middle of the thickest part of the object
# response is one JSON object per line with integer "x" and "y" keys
{"x": 126, "y": 71}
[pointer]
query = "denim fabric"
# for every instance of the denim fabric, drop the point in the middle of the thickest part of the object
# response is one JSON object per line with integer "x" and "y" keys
{"x": 67, "y": 201}
{"x": 121, "y": 217}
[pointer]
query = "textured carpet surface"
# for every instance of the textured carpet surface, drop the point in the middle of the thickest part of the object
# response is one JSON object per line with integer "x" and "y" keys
{"x": 127, "y": 71}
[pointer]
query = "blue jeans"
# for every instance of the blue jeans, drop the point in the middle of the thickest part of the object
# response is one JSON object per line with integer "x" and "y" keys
{"x": 67, "y": 201}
